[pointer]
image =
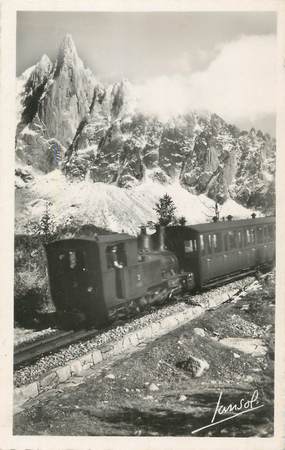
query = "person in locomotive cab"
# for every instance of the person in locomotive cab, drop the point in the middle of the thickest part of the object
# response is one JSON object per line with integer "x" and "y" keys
{"x": 115, "y": 259}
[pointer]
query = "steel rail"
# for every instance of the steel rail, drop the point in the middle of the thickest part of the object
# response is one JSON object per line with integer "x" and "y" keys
{"x": 27, "y": 352}
{"x": 30, "y": 351}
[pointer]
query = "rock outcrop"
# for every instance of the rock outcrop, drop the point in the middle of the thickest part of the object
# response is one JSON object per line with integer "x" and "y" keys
{"x": 99, "y": 133}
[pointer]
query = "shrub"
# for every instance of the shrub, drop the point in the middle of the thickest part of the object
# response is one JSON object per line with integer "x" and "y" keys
{"x": 30, "y": 296}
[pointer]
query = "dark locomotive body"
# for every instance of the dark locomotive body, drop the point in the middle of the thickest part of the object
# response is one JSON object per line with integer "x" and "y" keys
{"x": 89, "y": 281}
{"x": 92, "y": 279}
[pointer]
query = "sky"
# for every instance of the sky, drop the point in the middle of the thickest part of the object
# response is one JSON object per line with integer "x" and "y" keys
{"x": 218, "y": 61}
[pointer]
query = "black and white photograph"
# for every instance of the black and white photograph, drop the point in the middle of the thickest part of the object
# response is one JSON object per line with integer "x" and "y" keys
{"x": 144, "y": 236}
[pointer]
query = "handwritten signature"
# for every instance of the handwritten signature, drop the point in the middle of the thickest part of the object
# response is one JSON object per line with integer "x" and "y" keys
{"x": 244, "y": 406}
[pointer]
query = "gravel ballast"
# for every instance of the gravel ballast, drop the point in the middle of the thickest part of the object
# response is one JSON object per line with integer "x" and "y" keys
{"x": 170, "y": 385}
{"x": 205, "y": 300}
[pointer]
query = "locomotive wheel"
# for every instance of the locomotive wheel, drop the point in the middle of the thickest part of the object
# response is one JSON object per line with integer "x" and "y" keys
{"x": 70, "y": 321}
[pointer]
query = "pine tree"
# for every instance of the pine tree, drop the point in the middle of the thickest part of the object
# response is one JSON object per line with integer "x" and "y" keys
{"x": 165, "y": 209}
{"x": 46, "y": 226}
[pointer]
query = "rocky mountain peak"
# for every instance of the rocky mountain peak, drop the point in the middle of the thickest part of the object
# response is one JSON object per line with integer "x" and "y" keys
{"x": 67, "y": 45}
{"x": 123, "y": 99}
{"x": 107, "y": 138}
{"x": 44, "y": 62}
{"x": 67, "y": 54}
{"x": 41, "y": 72}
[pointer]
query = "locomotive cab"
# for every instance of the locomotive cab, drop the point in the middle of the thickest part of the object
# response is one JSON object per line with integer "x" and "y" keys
{"x": 75, "y": 279}
{"x": 85, "y": 275}
{"x": 90, "y": 278}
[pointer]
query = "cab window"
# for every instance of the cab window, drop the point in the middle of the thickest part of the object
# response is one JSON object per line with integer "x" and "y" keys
{"x": 190, "y": 246}
{"x": 115, "y": 256}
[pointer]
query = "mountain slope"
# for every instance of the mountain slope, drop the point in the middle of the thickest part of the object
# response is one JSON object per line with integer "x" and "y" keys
{"x": 109, "y": 206}
{"x": 71, "y": 122}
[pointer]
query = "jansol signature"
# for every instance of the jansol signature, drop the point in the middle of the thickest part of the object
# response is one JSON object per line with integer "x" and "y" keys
{"x": 235, "y": 409}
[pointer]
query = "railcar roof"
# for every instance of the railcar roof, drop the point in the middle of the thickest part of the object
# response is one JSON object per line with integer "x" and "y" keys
{"x": 221, "y": 225}
{"x": 101, "y": 239}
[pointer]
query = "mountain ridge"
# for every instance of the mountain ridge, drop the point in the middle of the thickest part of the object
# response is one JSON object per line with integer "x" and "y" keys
{"x": 102, "y": 136}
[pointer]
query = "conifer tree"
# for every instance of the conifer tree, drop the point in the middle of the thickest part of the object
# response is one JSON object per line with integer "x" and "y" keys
{"x": 47, "y": 225}
{"x": 165, "y": 209}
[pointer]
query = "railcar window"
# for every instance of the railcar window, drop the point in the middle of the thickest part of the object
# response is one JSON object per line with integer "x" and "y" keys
{"x": 248, "y": 236}
{"x": 202, "y": 244}
{"x": 232, "y": 239}
{"x": 216, "y": 242}
{"x": 266, "y": 236}
{"x": 239, "y": 239}
{"x": 72, "y": 259}
{"x": 226, "y": 245}
{"x": 252, "y": 236}
{"x": 259, "y": 235}
{"x": 209, "y": 244}
{"x": 271, "y": 232}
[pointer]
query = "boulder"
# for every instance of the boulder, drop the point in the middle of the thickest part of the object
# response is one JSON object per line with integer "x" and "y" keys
{"x": 199, "y": 332}
{"x": 195, "y": 366}
{"x": 153, "y": 387}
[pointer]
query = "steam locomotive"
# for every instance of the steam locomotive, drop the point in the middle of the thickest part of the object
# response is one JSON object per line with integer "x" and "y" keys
{"x": 92, "y": 279}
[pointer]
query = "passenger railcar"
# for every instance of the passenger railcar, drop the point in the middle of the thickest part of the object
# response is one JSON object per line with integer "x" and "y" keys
{"x": 216, "y": 250}
{"x": 94, "y": 278}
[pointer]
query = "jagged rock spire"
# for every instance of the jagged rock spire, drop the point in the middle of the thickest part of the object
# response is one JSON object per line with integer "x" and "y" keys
{"x": 67, "y": 54}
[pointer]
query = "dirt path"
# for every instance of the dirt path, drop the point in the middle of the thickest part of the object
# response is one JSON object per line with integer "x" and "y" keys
{"x": 172, "y": 386}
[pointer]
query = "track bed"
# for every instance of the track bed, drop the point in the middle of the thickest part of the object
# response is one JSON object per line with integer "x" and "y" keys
{"x": 150, "y": 393}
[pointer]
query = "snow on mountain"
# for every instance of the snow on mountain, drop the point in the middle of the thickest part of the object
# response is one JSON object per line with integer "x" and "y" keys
{"x": 20, "y": 89}
{"x": 115, "y": 208}
{"x": 115, "y": 161}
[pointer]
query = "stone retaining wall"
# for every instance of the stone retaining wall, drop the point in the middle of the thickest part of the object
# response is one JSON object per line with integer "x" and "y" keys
{"x": 104, "y": 352}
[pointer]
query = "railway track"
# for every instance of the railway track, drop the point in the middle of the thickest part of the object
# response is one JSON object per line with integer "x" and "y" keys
{"x": 27, "y": 352}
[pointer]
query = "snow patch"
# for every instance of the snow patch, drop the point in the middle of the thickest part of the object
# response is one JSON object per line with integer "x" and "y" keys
{"x": 119, "y": 209}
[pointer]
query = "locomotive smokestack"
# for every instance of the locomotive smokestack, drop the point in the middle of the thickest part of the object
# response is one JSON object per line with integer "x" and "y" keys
{"x": 160, "y": 231}
{"x": 144, "y": 239}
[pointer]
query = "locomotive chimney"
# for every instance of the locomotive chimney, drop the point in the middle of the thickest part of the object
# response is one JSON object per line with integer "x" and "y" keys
{"x": 160, "y": 232}
{"x": 144, "y": 239}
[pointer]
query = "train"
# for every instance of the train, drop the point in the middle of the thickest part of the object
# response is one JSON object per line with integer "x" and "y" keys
{"x": 96, "y": 279}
